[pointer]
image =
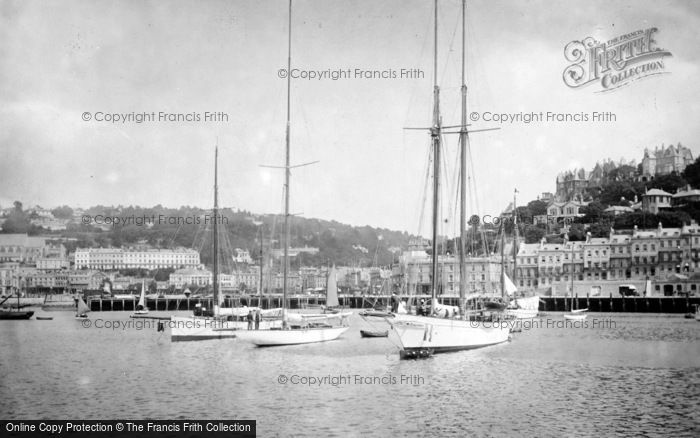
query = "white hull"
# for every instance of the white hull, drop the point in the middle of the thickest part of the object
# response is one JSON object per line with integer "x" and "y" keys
{"x": 423, "y": 335}
{"x": 529, "y": 303}
{"x": 269, "y": 338}
{"x": 203, "y": 328}
{"x": 521, "y": 313}
{"x": 575, "y": 316}
{"x": 314, "y": 317}
{"x": 140, "y": 312}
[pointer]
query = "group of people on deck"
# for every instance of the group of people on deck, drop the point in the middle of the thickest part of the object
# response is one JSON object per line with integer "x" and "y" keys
{"x": 425, "y": 309}
{"x": 254, "y": 317}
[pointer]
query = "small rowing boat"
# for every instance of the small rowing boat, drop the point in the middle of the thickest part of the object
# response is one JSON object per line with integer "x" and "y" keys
{"x": 374, "y": 333}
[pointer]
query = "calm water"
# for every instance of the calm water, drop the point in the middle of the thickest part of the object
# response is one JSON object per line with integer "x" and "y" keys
{"x": 638, "y": 377}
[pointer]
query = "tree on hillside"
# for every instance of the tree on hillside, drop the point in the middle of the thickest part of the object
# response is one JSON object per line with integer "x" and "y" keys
{"x": 669, "y": 183}
{"x": 613, "y": 193}
{"x": 537, "y": 207}
{"x": 649, "y": 220}
{"x": 64, "y": 212}
{"x": 622, "y": 173}
{"x": 592, "y": 212}
{"x": 577, "y": 232}
{"x": 17, "y": 221}
{"x": 692, "y": 173}
{"x": 533, "y": 233}
{"x": 601, "y": 228}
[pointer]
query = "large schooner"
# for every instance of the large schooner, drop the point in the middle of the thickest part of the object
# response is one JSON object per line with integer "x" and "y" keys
{"x": 421, "y": 335}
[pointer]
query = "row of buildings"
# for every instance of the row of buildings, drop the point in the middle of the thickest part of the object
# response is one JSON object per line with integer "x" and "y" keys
{"x": 41, "y": 264}
{"x": 662, "y": 261}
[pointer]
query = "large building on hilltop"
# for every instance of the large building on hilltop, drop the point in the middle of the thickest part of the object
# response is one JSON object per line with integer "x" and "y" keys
{"x": 576, "y": 184}
{"x": 665, "y": 160}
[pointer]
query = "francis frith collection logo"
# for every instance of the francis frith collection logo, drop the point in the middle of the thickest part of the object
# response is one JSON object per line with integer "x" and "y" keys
{"x": 616, "y": 62}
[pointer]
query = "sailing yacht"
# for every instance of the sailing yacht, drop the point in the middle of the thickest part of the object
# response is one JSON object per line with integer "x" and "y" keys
{"x": 426, "y": 335}
{"x": 141, "y": 308}
{"x": 15, "y": 314}
{"x": 83, "y": 309}
{"x": 296, "y": 328}
{"x": 221, "y": 323}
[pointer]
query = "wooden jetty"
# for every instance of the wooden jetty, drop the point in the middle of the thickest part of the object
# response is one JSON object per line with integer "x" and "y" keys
{"x": 650, "y": 304}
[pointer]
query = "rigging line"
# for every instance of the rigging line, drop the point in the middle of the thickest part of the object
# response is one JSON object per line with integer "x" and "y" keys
{"x": 445, "y": 223}
{"x": 174, "y": 235}
{"x": 458, "y": 179}
{"x": 426, "y": 185}
{"x": 451, "y": 45}
{"x": 476, "y": 197}
{"x": 415, "y": 91}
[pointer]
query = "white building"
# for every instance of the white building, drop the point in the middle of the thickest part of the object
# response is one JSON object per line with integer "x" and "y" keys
{"x": 117, "y": 258}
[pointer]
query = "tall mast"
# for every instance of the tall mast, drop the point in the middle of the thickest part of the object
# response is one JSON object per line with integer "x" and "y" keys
{"x": 503, "y": 264}
{"x": 216, "y": 231}
{"x": 262, "y": 259}
{"x": 515, "y": 239}
{"x": 573, "y": 266}
{"x": 286, "y": 165}
{"x": 463, "y": 139}
{"x": 435, "y": 137}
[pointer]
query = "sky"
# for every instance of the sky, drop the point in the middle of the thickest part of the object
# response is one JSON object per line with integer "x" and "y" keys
{"x": 62, "y": 60}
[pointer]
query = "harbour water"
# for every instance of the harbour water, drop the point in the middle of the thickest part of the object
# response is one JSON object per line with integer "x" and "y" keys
{"x": 628, "y": 375}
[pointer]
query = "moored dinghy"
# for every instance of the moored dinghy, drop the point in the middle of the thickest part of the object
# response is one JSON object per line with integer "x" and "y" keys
{"x": 374, "y": 333}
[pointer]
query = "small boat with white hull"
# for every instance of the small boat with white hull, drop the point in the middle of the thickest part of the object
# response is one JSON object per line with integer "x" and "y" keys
{"x": 141, "y": 308}
{"x": 83, "y": 309}
{"x": 576, "y": 315}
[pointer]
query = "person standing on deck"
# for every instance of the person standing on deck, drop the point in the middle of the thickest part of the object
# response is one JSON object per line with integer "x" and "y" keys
{"x": 250, "y": 320}
{"x": 258, "y": 317}
{"x": 394, "y": 303}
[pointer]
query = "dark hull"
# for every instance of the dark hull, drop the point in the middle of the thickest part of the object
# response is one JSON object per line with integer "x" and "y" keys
{"x": 417, "y": 353}
{"x": 4, "y": 314}
{"x": 374, "y": 334}
{"x": 495, "y": 305}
